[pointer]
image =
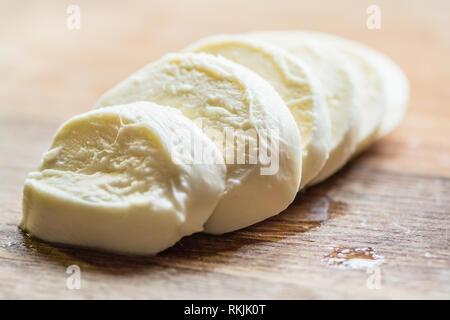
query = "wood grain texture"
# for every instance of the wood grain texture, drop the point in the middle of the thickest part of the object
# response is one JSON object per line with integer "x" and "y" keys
{"x": 394, "y": 198}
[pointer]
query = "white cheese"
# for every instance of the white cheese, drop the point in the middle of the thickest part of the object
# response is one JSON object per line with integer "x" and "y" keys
{"x": 342, "y": 90}
{"x": 386, "y": 88}
{"x": 113, "y": 179}
{"x": 396, "y": 85}
{"x": 220, "y": 95}
{"x": 293, "y": 81}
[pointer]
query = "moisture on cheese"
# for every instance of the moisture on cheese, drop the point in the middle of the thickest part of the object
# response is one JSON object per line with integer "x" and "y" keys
{"x": 117, "y": 179}
{"x": 293, "y": 81}
{"x": 245, "y": 117}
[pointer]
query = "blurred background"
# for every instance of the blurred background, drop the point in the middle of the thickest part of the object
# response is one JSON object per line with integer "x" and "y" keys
{"x": 42, "y": 59}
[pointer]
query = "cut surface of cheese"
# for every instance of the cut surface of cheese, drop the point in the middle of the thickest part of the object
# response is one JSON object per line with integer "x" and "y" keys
{"x": 386, "y": 88}
{"x": 293, "y": 81}
{"x": 113, "y": 179}
{"x": 373, "y": 98}
{"x": 263, "y": 156}
{"x": 396, "y": 84}
{"x": 342, "y": 91}
{"x": 392, "y": 88}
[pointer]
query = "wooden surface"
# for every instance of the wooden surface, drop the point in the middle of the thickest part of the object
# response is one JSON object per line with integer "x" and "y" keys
{"x": 394, "y": 198}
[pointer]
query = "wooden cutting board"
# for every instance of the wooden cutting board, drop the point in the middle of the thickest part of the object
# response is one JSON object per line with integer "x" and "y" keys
{"x": 390, "y": 207}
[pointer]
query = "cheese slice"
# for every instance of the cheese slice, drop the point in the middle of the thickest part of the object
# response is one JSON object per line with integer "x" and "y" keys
{"x": 113, "y": 179}
{"x": 385, "y": 82}
{"x": 342, "y": 90}
{"x": 293, "y": 81}
{"x": 386, "y": 88}
{"x": 228, "y": 100}
{"x": 373, "y": 98}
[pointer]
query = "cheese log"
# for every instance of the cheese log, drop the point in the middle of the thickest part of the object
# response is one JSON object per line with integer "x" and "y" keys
{"x": 220, "y": 95}
{"x": 113, "y": 180}
{"x": 293, "y": 81}
{"x": 342, "y": 90}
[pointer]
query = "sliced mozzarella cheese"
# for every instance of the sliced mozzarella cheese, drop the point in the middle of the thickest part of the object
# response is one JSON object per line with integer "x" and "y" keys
{"x": 373, "y": 100}
{"x": 221, "y": 95}
{"x": 396, "y": 84}
{"x": 294, "y": 83}
{"x": 342, "y": 91}
{"x": 113, "y": 180}
{"x": 386, "y": 88}
{"x": 393, "y": 87}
